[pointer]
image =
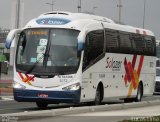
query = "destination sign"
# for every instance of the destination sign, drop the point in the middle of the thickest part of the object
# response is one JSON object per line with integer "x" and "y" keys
{"x": 52, "y": 21}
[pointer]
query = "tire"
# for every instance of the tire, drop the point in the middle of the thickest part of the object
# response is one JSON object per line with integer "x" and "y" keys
{"x": 139, "y": 93}
{"x": 98, "y": 100}
{"x": 42, "y": 105}
{"x": 128, "y": 100}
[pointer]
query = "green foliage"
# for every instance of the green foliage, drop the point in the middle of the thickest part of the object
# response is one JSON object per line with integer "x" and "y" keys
{"x": 2, "y": 58}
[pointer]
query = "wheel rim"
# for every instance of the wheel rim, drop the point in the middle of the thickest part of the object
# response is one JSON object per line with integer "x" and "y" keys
{"x": 139, "y": 94}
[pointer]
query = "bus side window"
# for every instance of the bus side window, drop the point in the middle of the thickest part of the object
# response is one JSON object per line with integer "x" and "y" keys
{"x": 150, "y": 45}
{"x": 138, "y": 43}
{"x": 93, "y": 47}
{"x": 112, "y": 43}
{"x": 125, "y": 43}
{"x": 85, "y": 57}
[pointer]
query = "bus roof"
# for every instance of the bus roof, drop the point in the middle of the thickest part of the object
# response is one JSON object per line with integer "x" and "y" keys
{"x": 79, "y": 21}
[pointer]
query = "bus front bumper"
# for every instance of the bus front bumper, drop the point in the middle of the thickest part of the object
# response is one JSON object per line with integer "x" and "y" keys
{"x": 47, "y": 96}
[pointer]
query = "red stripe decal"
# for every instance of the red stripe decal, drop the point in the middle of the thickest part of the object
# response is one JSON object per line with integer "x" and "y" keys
{"x": 27, "y": 76}
{"x": 32, "y": 78}
{"x": 140, "y": 66}
{"x": 21, "y": 75}
{"x": 127, "y": 75}
{"x": 134, "y": 61}
{"x": 132, "y": 74}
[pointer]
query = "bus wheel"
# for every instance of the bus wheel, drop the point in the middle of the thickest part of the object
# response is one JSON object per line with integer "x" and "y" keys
{"x": 98, "y": 97}
{"x": 139, "y": 93}
{"x": 128, "y": 100}
{"x": 42, "y": 105}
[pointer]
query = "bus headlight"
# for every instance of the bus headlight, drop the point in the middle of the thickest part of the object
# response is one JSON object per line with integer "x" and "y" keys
{"x": 72, "y": 87}
{"x": 18, "y": 86}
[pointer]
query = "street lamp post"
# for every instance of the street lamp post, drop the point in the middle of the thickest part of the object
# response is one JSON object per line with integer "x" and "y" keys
{"x": 144, "y": 13}
{"x": 79, "y": 6}
{"x": 18, "y": 13}
{"x": 51, "y": 4}
{"x": 120, "y": 10}
{"x": 94, "y": 9}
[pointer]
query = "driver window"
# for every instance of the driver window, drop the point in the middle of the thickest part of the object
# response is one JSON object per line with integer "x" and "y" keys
{"x": 93, "y": 47}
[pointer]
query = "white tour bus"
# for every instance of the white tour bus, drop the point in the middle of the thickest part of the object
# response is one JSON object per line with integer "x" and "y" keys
{"x": 63, "y": 57}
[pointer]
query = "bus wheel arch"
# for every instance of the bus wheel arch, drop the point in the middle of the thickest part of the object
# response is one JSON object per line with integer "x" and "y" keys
{"x": 139, "y": 92}
{"x": 99, "y": 94}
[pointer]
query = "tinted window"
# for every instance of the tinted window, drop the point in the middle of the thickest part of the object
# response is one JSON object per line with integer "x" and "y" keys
{"x": 125, "y": 43}
{"x": 129, "y": 43}
{"x": 143, "y": 45}
{"x": 138, "y": 43}
{"x": 93, "y": 47}
{"x": 112, "y": 44}
{"x": 150, "y": 45}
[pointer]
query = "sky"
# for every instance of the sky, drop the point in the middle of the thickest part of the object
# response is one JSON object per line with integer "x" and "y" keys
{"x": 132, "y": 11}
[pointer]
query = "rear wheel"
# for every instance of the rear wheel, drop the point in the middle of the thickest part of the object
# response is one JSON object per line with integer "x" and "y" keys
{"x": 139, "y": 93}
{"x": 42, "y": 105}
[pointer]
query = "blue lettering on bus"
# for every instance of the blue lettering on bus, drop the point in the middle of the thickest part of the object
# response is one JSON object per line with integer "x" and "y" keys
{"x": 52, "y": 21}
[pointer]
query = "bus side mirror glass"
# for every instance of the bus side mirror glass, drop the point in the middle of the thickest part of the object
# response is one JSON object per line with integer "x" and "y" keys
{"x": 10, "y": 38}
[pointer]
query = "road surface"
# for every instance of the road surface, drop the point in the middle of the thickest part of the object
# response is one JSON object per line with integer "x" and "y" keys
{"x": 11, "y": 106}
{"x": 107, "y": 116}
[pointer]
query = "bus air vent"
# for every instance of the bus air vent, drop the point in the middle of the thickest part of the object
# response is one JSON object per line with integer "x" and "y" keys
{"x": 62, "y": 13}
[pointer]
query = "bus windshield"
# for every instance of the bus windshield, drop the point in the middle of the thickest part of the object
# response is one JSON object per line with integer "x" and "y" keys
{"x": 47, "y": 51}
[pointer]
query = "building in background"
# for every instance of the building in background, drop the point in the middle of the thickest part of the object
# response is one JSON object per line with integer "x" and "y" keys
{"x": 3, "y": 49}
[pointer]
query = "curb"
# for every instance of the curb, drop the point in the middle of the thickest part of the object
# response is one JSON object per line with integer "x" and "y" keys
{"x": 77, "y": 110}
{"x": 6, "y": 97}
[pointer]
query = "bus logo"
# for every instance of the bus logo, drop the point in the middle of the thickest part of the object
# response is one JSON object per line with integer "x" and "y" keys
{"x": 26, "y": 78}
{"x": 52, "y": 21}
{"x": 113, "y": 64}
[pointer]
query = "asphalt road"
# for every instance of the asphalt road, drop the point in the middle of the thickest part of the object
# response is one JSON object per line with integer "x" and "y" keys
{"x": 11, "y": 106}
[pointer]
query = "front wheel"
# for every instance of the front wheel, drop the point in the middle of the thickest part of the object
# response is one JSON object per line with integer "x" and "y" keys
{"x": 97, "y": 100}
{"x": 42, "y": 105}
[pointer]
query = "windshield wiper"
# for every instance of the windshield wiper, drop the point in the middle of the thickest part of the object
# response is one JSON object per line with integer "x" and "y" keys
{"x": 34, "y": 65}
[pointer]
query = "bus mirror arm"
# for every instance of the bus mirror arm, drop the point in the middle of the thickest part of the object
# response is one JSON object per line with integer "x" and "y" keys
{"x": 11, "y": 43}
{"x": 10, "y": 37}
